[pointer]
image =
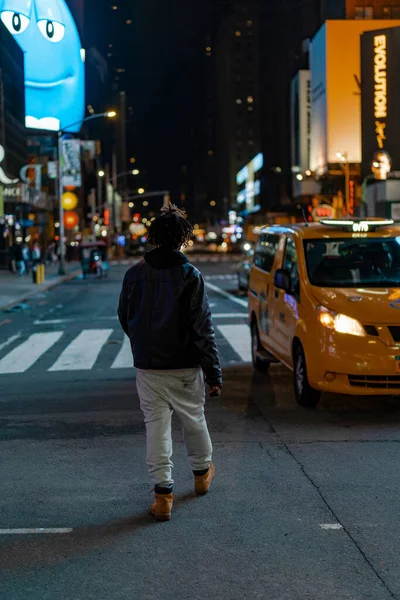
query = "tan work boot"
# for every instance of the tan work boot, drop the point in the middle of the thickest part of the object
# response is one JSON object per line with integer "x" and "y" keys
{"x": 162, "y": 507}
{"x": 202, "y": 483}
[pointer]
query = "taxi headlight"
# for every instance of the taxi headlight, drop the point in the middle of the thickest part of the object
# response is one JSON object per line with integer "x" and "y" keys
{"x": 339, "y": 323}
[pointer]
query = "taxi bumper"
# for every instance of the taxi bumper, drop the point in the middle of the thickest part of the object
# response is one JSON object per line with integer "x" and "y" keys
{"x": 346, "y": 364}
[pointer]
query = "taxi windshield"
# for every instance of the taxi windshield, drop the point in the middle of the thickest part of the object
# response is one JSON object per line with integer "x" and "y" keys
{"x": 371, "y": 262}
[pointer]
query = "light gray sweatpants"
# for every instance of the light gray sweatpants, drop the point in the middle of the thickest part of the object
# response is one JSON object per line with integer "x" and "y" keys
{"x": 161, "y": 393}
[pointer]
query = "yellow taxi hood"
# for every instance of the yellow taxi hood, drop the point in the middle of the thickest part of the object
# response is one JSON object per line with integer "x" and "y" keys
{"x": 373, "y": 305}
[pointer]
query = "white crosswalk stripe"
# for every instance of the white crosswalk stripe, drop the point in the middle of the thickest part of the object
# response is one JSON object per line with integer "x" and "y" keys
{"x": 82, "y": 352}
{"x": 124, "y": 358}
{"x": 239, "y": 338}
{"x": 230, "y": 277}
{"x": 21, "y": 358}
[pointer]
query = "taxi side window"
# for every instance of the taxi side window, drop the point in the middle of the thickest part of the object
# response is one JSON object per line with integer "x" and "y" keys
{"x": 265, "y": 252}
{"x": 290, "y": 263}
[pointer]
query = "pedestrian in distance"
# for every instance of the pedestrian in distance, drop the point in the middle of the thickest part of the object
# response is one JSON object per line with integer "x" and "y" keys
{"x": 19, "y": 258}
{"x": 27, "y": 256}
{"x": 165, "y": 311}
{"x": 13, "y": 262}
{"x": 36, "y": 254}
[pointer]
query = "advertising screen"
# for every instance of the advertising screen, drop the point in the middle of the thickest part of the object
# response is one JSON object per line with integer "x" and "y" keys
{"x": 335, "y": 76}
{"x": 380, "y": 72}
{"x": 54, "y": 62}
{"x": 250, "y": 187}
{"x": 300, "y": 116}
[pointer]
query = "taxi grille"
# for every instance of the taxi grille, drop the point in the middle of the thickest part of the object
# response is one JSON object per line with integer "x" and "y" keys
{"x": 383, "y": 382}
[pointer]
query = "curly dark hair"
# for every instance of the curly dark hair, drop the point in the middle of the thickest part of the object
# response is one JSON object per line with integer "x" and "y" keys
{"x": 171, "y": 230}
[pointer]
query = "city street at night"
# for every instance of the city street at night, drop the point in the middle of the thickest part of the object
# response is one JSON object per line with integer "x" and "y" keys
{"x": 304, "y": 505}
{"x": 199, "y": 300}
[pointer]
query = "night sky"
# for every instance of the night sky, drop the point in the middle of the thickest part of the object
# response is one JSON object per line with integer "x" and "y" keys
{"x": 163, "y": 55}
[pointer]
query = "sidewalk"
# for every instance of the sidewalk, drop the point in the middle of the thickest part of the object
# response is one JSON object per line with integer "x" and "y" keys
{"x": 15, "y": 289}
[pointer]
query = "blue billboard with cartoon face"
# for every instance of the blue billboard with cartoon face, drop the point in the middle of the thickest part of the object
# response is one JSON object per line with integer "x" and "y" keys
{"x": 54, "y": 62}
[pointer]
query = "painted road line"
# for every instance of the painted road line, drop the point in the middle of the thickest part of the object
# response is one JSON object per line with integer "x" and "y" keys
{"x": 37, "y": 530}
{"x": 329, "y": 526}
{"x": 26, "y": 354}
{"x": 9, "y": 341}
{"x": 61, "y": 321}
{"x": 239, "y": 338}
{"x": 112, "y": 318}
{"x": 124, "y": 358}
{"x": 230, "y": 316}
{"x": 82, "y": 352}
{"x": 225, "y": 294}
{"x": 54, "y": 322}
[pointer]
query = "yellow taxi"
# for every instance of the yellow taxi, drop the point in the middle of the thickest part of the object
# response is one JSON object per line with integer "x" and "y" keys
{"x": 324, "y": 299}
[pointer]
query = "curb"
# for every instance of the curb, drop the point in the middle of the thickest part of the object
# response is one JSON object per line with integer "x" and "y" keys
{"x": 49, "y": 286}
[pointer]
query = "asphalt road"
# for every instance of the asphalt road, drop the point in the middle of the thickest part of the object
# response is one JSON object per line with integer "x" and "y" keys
{"x": 305, "y": 505}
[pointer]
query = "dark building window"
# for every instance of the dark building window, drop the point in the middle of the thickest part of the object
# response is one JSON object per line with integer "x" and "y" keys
{"x": 364, "y": 12}
{"x": 395, "y": 12}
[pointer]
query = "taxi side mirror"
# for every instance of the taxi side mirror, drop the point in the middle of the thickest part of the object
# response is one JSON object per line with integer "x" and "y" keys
{"x": 283, "y": 280}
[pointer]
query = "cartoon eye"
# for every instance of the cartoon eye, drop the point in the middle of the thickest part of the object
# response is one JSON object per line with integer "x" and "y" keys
{"x": 15, "y": 22}
{"x": 51, "y": 30}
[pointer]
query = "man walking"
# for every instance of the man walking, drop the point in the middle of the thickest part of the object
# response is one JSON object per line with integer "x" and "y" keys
{"x": 165, "y": 312}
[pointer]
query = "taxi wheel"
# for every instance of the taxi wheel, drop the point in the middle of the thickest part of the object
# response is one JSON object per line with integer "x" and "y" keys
{"x": 259, "y": 365}
{"x": 305, "y": 394}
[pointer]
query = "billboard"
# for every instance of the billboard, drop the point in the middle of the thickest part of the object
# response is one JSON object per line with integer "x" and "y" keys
{"x": 380, "y": 72}
{"x": 250, "y": 187}
{"x": 335, "y": 76}
{"x": 300, "y": 116}
{"x": 71, "y": 163}
{"x": 54, "y": 62}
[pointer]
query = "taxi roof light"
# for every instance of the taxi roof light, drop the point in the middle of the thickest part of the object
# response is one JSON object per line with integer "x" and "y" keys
{"x": 358, "y": 225}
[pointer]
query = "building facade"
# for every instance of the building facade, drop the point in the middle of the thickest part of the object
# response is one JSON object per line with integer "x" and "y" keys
{"x": 336, "y": 137}
{"x": 13, "y": 152}
{"x": 238, "y": 102}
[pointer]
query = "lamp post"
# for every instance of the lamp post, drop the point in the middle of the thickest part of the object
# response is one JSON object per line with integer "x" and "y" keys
{"x": 344, "y": 158}
{"x": 109, "y": 115}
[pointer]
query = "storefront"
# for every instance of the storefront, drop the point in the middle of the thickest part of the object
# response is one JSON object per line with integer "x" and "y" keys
{"x": 13, "y": 153}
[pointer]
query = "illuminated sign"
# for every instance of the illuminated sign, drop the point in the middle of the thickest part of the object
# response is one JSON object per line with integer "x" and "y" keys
{"x": 13, "y": 188}
{"x": 252, "y": 186}
{"x": 358, "y": 226}
{"x": 335, "y": 68}
{"x": 3, "y": 177}
{"x": 300, "y": 116}
{"x": 380, "y": 96}
{"x": 352, "y": 198}
{"x": 380, "y": 66}
{"x": 324, "y": 211}
{"x": 242, "y": 176}
{"x": 54, "y": 62}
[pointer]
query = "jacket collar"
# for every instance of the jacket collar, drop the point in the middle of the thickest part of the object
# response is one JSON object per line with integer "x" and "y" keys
{"x": 165, "y": 259}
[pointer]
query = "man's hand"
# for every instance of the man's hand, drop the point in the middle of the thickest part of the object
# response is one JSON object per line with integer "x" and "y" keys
{"x": 215, "y": 391}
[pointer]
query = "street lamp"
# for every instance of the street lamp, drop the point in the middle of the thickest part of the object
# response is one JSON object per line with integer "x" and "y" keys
{"x": 124, "y": 173}
{"x": 101, "y": 174}
{"x": 108, "y": 115}
{"x": 344, "y": 160}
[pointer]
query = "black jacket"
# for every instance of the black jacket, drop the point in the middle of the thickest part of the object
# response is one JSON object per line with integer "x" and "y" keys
{"x": 165, "y": 311}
